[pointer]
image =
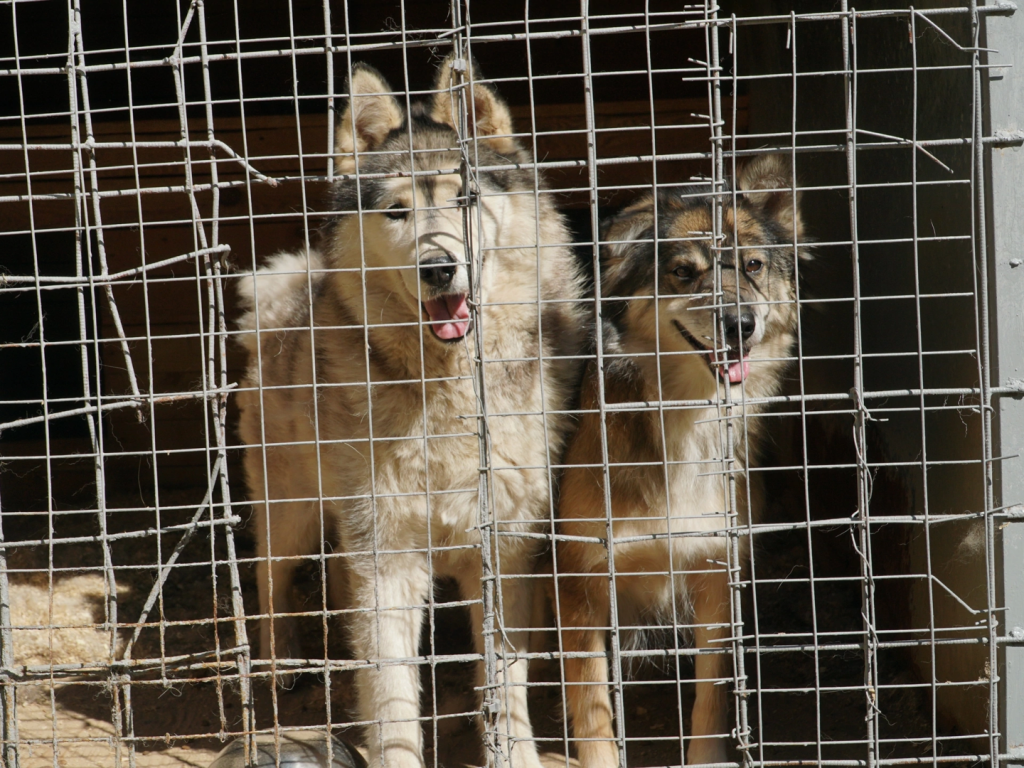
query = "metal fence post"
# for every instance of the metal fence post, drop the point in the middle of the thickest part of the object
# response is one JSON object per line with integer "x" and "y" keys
{"x": 1005, "y": 84}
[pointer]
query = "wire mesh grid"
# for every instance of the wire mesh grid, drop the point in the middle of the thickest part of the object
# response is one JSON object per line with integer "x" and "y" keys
{"x": 648, "y": 347}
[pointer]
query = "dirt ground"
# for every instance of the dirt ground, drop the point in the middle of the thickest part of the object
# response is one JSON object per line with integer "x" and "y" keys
{"x": 176, "y": 717}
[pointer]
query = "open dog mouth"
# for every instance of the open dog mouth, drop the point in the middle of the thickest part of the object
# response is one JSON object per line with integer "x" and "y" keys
{"x": 727, "y": 364}
{"x": 448, "y": 316}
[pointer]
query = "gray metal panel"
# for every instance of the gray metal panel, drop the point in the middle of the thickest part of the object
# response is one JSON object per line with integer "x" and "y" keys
{"x": 1006, "y": 238}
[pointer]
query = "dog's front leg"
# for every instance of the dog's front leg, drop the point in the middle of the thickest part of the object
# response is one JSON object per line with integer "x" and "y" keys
{"x": 710, "y": 592}
{"x": 584, "y": 612}
{"x": 513, "y": 610}
{"x": 388, "y": 594}
{"x": 284, "y": 534}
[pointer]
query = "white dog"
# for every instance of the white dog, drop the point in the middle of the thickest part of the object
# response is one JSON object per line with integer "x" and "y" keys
{"x": 360, "y": 405}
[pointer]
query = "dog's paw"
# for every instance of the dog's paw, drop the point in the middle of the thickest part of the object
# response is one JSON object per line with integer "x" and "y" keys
{"x": 705, "y": 751}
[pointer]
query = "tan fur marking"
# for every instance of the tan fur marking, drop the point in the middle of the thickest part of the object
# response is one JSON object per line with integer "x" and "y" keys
{"x": 692, "y": 224}
{"x": 619, "y": 245}
{"x": 489, "y": 118}
{"x": 655, "y": 499}
{"x": 372, "y": 113}
{"x": 772, "y": 172}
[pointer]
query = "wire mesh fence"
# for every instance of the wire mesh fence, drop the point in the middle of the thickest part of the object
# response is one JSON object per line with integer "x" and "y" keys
{"x": 546, "y": 384}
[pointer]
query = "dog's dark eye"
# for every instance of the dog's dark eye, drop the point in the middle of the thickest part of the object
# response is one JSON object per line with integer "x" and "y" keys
{"x": 683, "y": 272}
{"x": 398, "y": 212}
{"x": 754, "y": 266}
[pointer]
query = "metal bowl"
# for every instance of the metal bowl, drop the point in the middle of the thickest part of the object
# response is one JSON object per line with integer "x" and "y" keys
{"x": 298, "y": 749}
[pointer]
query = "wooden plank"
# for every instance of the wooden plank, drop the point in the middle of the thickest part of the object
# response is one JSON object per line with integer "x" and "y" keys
{"x": 271, "y": 145}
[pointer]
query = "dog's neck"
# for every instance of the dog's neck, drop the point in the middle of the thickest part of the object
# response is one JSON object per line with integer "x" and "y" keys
{"x": 393, "y": 332}
{"x": 670, "y": 376}
{"x": 677, "y": 377}
{"x": 686, "y": 375}
{"x": 646, "y": 377}
{"x": 398, "y": 342}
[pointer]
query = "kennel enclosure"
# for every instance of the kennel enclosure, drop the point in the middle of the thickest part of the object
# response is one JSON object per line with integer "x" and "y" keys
{"x": 152, "y": 156}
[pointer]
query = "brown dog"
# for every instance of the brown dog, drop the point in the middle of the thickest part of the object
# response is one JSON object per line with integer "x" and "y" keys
{"x": 669, "y": 335}
{"x": 361, "y": 377}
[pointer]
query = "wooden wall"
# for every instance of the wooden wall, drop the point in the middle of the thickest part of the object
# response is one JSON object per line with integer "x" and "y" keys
{"x": 147, "y": 217}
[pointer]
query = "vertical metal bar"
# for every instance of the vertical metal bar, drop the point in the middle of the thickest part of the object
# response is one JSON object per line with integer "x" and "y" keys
{"x": 8, "y": 699}
{"x": 324, "y": 578}
{"x": 860, "y": 523}
{"x": 726, "y": 408}
{"x": 364, "y": 321}
{"x": 329, "y": 51}
{"x": 315, "y": 417}
{"x": 462, "y": 92}
{"x": 248, "y": 715}
{"x": 742, "y": 693}
{"x": 489, "y": 542}
{"x": 199, "y": 241}
{"x": 1004, "y": 89}
{"x": 428, "y": 490}
{"x": 218, "y": 377}
{"x": 677, "y": 618}
{"x": 805, "y": 461}
{"x": 735, "y": 532}
{"x": 985, "y": 372}
{"x": 211, "y": 271}
{"x": 147, "y": 315}
{"x": 921, "y": 382}
{"x": 84, "y": 271}
{"x": 615, "y": 667}
{"x": 552, "y": 459}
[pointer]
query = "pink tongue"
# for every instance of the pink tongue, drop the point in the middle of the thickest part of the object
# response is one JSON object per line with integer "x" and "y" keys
{"x": 449, "y": 316}
{"x": 736, "y": 372}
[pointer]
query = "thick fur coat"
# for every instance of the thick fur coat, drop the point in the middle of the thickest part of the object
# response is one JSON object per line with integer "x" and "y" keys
{"x": 360, "y": 403}
{"x": 686, "y": 317}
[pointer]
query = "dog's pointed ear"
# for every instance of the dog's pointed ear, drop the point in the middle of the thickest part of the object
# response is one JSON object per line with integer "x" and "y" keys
{"x": 489, "y": 116}
{"x": 767, "y": 183}
{"x": 623, "y": 235}
{"x": 372, "y": 113}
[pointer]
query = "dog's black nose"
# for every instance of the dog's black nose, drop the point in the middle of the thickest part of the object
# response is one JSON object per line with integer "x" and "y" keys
{"x": 739, "y": 326}
{"x": 438, "y": 271}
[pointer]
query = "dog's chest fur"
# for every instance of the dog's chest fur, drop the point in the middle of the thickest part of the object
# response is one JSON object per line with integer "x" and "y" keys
{"x": 668, "y": 475}
{"x": 409, "y": 439}
{"x": 683, "y": 490}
